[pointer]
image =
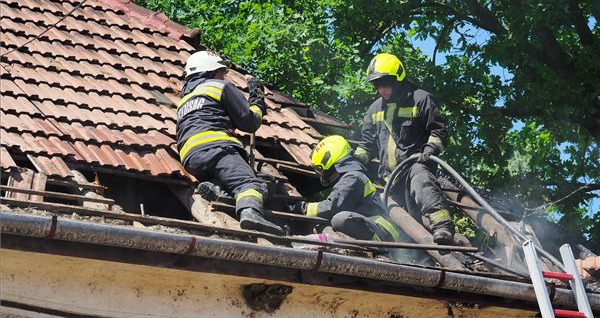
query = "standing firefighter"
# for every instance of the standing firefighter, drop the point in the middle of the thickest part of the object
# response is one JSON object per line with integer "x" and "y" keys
{"x": 208, "y": 112}
{"x": 353, "y": 206}
{"x": 404, "y": 121}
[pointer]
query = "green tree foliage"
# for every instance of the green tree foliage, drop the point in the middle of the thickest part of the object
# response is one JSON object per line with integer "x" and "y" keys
{"x": 532, "y": 135}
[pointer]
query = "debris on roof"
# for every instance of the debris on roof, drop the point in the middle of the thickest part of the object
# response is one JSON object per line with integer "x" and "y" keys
{"x": 87, "y": 143}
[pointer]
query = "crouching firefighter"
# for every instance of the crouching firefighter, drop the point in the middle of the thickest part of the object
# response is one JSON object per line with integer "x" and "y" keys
{"x": 208, "y": 112}
{"x": 405, "y": 120}
{"x": 353, "y": 206}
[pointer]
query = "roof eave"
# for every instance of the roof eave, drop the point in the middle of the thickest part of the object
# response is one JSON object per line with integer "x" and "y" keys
{"x": 279, "y": 257}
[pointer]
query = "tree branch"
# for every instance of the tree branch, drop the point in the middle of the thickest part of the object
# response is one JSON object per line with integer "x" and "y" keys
{"x": 553, "y": 54}
{"x": 583, "y": 189}
{"x": 488, "y": 20}
{"x": 443, "y": 36}
{"x": 585, "y": 34}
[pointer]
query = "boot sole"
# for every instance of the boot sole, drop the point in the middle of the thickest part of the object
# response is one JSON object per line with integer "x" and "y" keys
{"x": 206, "y": 192}
{"x": 249, "y": 225}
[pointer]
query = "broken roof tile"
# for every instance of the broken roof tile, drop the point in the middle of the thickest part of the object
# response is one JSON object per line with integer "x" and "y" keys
{"x": 52, "y": 167}
{"x": 301, "y": 153}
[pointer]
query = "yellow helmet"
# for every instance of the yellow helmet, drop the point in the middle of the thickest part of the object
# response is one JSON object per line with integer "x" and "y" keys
{"x": 385, "y": 64}
{"x": 329, "y": 151}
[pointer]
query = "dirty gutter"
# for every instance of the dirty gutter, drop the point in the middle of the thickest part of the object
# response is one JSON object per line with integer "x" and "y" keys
{"x": 74, "y": 231}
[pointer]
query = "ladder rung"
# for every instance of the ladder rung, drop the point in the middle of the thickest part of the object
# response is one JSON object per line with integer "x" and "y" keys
{"x": 555, "y": 275}
{"x": 568, "y": 313}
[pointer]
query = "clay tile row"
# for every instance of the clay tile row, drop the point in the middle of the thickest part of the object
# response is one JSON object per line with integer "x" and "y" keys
{"x": 90, "y": 101}
{"x": 58, "y": 110}
{"x": 79, "y": 54}
{"x": 77, "y": 131}
{"x": 158, "y": 162}
{"x": 86, "y": 84}
{"x": 95, "y": 42}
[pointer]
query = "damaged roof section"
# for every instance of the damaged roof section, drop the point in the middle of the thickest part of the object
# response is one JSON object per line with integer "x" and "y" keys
{"x": 100, "y": 89}
{"x": 97, "y": 92}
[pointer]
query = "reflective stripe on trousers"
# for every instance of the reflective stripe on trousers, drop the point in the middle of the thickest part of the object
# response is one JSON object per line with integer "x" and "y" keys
{"x": 387, "y": 225}
{"x": 249, "y": 193}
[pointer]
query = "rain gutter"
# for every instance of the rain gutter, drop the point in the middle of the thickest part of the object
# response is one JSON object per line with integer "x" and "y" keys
{"x": 118, "y": 236}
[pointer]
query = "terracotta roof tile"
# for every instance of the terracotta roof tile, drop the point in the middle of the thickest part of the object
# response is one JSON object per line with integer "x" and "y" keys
{"x": 52, "y": 167}
{"x": 6, "y": 161}
{"x": 301, "y": 153}
{"x": 167, "y": 161}
{"x": 18, "y": 105}
{"x": 293, "y": 119}
{"x": 107, "y": 155}
{"x": 10, "y": 140}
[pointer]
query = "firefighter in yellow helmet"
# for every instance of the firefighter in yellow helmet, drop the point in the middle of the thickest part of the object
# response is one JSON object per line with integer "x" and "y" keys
{"x": 209, "y": 110}
{"x": 403, "y": 121}
{"x": 353, "y": 206}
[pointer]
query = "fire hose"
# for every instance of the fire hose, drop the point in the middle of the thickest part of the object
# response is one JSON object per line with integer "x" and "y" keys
{"x": 474, "y": 194}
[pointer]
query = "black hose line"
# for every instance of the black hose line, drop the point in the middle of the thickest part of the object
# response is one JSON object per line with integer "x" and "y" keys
{"x": 473, "y": 193}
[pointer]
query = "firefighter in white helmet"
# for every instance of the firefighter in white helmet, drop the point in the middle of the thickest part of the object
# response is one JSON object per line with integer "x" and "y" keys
{"x": 209, "y": 111}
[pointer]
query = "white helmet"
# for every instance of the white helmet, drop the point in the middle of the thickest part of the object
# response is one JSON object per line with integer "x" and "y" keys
{"x": 204, "y": 61}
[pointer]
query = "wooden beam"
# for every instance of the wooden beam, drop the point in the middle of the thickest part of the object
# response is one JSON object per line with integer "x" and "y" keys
{"x": 134, "y": 175}
{"x": 276, "y": 161}
{"x": 73, "y": 184}
{"x": 38, "y": 184}
{"x": 72, "y": 197}
{"x": 87, "y": 193}
{"x": 201, "y": 210}
{"x": 296, "y": 217}
{"x": 20, "y": 178}
{"x": 419, "y": 234}
{"x": 297, "y": 170}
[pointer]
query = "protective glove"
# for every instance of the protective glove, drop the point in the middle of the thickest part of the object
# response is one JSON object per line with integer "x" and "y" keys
{"x": 427, "y": 150}
{"x": 257, "y": 94}
{"x": 296, "y": 207}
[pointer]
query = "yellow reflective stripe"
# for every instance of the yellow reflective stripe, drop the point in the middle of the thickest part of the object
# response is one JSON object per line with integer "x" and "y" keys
{"x": 391, "y": 144}
{"x": 249, "y": 193}
{"x": 439, "y": 216}
{"x": 391, "y": 153}
{"x": 437, "y": 141}
{"x": 203, "y": 138}
{"x": 387, "y": 225}
{"x": 362, "y": 154}
{"x": 375, "y": 238}
{"x": 377, "y": 117}
{"x": 360, "y": 151}
{"x": 257, "y": 111}
{"x": 369, "y": 188}
{"x": 211, "y": 91}
{"x": 408, "y": 111}
{"x": 312, "y": 208}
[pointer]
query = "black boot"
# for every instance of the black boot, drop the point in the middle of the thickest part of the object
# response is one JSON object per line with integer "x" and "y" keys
{"x": 443, "y": 236}
{"x": 210, "y": 191}
{"x": 250, "y": 219}
{"x": 443, "y": 233}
